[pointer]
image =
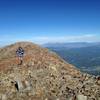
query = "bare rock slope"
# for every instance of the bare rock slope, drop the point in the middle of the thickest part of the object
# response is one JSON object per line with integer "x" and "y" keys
{"x": 43, "y": 76}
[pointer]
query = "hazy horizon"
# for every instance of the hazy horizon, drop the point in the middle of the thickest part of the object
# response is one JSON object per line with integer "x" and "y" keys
{"x": 47, "y": 43}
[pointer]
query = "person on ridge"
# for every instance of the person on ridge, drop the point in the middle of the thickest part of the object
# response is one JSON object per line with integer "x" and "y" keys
{"x": 20, "y": 54}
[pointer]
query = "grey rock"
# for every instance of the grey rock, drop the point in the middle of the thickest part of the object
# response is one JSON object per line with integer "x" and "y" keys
{"x": 81, "y": 97}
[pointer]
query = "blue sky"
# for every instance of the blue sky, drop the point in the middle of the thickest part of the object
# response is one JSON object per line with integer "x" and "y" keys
{"x": 42, "y": 21}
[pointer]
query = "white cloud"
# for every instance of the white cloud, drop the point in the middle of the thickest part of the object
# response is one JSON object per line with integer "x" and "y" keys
{"x": 69, "y": 38}
{"x": 51, "y": 39}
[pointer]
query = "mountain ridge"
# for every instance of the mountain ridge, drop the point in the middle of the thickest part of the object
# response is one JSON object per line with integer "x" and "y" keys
{"x": 42, "y": 76}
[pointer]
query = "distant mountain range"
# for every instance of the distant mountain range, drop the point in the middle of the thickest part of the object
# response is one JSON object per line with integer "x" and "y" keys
{"x": 85, "y": 56}
{"x": 71, "y": 45}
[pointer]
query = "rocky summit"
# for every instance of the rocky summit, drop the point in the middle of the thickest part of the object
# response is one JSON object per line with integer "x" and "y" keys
{"x": 43, "y": 75}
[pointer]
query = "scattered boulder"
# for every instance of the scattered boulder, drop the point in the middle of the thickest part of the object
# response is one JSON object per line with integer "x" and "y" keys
{"x": 81, "y": 97}
{"x": 98, "y": 80}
